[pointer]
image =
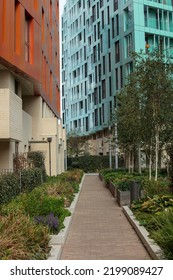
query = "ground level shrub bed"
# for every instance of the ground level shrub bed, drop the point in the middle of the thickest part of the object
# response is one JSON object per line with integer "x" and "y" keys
{"x": 27, "y": 221}
{"x": 155, "y": 210}
{"x": 156, "y": 215}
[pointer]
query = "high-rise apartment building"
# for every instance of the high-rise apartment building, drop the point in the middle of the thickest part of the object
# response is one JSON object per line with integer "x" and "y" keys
{"x": 30, "y": 82}
{"x": 97, "y": 38}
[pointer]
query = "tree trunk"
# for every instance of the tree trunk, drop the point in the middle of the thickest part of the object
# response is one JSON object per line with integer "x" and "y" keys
{"x": 139, "y": 160}
{"x": 156, "y": 155}
{"x": 150, "y": 163}
{"x": 129, "y": 160}
{"x": 132, "y": 161}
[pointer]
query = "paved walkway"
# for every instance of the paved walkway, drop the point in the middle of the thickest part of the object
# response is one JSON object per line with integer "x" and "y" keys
{"x": 99, "y": 229}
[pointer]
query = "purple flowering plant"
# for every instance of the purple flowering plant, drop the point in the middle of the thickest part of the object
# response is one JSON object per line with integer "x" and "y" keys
{"x": 50, "y": 220}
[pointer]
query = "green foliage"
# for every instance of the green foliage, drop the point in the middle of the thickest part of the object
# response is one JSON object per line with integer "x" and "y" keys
{"x": 124, "y": 185}
{"x": 27, "y": 221}
{"x": 77, "y": 145}
{"x": 156, "y": 214}
{"x": 169, "y": 150}
{"x": 37, "y": 203}
{"x": 153, "y": 204}
{"x": 12, "y": 184}
{"x": 25, "y": 180}
{"x": 152, "y": 187}
{"x": 144, "y": 114}
{"x": 31, "y": 178}
{"x": 121, "y": 177}
{"x": 89, "y": 163}
{"x": 64, "y": 185}
{"x": 164, "y": 233}
{"x": 9, "y": 187}
{"x": 37, "y": 158}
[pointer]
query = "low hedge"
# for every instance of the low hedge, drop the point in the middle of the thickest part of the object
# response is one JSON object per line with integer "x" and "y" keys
{"x": 12, "y": 184}
{"x": 31, "y": 178}
{"x": 89, "y": 163}
{"x": 9, "y": 187}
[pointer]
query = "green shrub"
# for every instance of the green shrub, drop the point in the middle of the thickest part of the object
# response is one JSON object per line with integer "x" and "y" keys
{"x": 12, "y": 184}
{"x": 152, "y": 187}
{"x": 119, "y": 177}
{"x": 37, "y": 203}
{"x": 30, "y": 178}
{"x": 9, "y": 187}
{"x": 64, "y": 185}
{"x": 38, "y": 160}
{"x": 153, "y": 204}
{"x": 89, "y": 163}
{"x": 164, "y": 233}
{"x": 124, "y": 185}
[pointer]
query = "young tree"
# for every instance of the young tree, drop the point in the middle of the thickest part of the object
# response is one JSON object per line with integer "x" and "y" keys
{"x": 77, "y": 145}
{"x": 128, "y": 119}
{"x": 145, "y": 111}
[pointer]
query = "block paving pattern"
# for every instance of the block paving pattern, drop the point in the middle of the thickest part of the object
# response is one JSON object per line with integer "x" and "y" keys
{"x": 99, "y": 229}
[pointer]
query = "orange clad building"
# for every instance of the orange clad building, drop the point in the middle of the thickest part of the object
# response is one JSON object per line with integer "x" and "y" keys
{"x": 30, "y": 82}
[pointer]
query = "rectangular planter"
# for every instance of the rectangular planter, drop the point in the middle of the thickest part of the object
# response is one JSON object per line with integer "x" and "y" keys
{"x": 123, "y": 198}
{"x": 100, "y": 176}
{"x": 102, "y": 179}
{"x": 113, "y": 189}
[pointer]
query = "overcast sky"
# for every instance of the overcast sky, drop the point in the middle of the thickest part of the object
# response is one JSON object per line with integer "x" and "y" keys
{"x": 61, "y": 5}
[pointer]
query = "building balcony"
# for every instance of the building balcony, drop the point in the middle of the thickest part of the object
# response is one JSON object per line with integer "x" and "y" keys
{"x": 165, "y": 2}
{"x": 158, "y": 24}
{"x": 11, "y": 115}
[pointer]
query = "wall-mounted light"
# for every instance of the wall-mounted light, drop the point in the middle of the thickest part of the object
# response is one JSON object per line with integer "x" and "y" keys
{"x": 49, "y": 140}
{"x": 60, "y": 142}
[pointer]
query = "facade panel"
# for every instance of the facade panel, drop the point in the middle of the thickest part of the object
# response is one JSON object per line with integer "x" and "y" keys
{"x": 30, "y": 79}
{"x": 97, "y": 39}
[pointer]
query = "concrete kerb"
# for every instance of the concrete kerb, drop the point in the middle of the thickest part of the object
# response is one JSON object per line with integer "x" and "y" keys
{"x": 153, "y": 249}
{"x": 56, "y": 241}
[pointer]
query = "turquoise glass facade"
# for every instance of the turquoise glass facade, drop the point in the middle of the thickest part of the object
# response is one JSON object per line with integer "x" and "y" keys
{"x": 97, "y": 38}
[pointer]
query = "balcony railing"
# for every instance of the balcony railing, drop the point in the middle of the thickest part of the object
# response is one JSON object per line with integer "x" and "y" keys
{"x": 159, "y": 24}
{"x": 165, "y": 2}
{"x": 5, "y": 171}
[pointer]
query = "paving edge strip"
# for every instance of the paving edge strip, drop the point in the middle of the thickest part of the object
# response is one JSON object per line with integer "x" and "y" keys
{"x": 153, "y": 249}
{"x": 57, "y": 241}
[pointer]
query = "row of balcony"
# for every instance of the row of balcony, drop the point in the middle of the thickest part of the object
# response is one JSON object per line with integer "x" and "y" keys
{"x": 159, "y": 24}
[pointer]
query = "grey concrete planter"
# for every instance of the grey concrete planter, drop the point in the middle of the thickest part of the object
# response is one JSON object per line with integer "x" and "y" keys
{"x": 153, "y": 249}
{"x": 100, "y": 176}
{"x": 113, "y": 189}
{"x": 123, "y": 198}
{"x": 102, "y": 179}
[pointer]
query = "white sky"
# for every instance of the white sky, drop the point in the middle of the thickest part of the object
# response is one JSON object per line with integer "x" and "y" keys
{"x": 61, "y": 5}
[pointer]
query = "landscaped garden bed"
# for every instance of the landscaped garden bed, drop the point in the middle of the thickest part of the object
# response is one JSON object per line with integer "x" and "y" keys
{"x": 154, "y": 210}
{"x": 28, "y": 220}
{"x": 113, "y": 189}
{"x": 119, "y": 183}
{"x": 156, "y": 215}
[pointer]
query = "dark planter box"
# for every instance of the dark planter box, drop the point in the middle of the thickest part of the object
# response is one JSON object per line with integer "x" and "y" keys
{"x": 102, "y": 179}
{"x": 113, "y": 189}
{"x": 100, "y": 176}
{"x": 123, "y": 198}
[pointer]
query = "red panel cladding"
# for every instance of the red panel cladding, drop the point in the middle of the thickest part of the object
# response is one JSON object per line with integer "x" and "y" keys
{"x": 42, "y": 44}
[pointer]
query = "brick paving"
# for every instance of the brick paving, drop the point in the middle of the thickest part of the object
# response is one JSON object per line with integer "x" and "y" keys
{"x": 99, "y": 229}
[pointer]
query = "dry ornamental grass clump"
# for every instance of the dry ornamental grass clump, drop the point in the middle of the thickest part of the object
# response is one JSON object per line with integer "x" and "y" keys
{"x": 22, "y": 239}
